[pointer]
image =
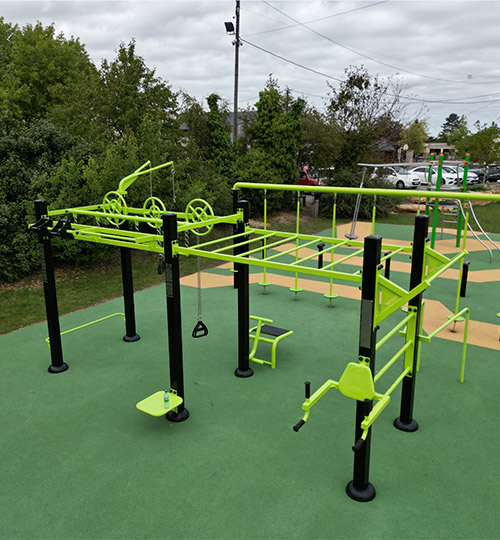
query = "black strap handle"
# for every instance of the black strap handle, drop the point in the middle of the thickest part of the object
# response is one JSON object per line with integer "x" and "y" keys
{"x": 200, "y": 330}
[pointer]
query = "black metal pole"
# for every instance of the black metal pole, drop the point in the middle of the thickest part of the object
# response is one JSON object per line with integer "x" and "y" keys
{"x": 321, "y": 247}
{"x": 387, "y": 271}
{"x": 242, "y": 277}
{"x": 128, "y": 293}
{"x": 236, "y": 197}
{"x": 173, "y": 290}
{"x": 360, "y": 488}
{"x": 50, "y": 294}
{"x": 405, "y": 421}
{"x": 465, "y": 275}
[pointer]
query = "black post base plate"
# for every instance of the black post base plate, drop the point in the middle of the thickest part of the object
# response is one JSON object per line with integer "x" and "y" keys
{"x": 361, "y": 495}
{"x": 177, "y": 417}
{"x": 409, "y": 427}
{"x": 131, "y": 339}
{"x": 58, "y": 369}
{"x": 243, "y": 373}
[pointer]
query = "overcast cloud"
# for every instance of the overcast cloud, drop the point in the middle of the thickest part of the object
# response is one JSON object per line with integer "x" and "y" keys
{"x": 443, "y": 51}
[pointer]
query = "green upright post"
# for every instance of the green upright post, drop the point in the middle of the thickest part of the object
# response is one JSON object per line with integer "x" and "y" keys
{"x": 463, "y": 187}
{"x": 436, "y": 201}
{"x": 429, "y": 181}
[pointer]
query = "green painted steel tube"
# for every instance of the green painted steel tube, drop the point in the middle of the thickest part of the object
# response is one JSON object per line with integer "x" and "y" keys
{"x": 394, "y": 330}
{"x": 436, "y": 202}
{"x": 390, "y": 362}
{"x": 356, "y": 278}
{"x": 476, "y": 196}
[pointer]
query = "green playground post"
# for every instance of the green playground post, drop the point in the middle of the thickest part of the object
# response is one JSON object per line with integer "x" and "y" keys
{"x": 463, "y": 188}
{"x": 436, "y": 201}
{"x": 330, "y": 295}
{"x": 264, "y": 283}
{"x": 429, "y": 181}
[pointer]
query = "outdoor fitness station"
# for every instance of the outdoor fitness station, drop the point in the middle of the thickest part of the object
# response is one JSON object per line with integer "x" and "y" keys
{"x": 152, "y": 228}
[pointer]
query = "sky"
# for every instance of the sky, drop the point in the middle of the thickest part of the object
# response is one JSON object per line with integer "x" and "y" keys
{"x": 443, "y": 53}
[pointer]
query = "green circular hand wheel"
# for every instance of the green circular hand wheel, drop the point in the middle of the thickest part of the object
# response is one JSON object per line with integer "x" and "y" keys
{"x": 199, "y": 211}
{"x": 114, "y": 203}
{"x": 154, "y": 208}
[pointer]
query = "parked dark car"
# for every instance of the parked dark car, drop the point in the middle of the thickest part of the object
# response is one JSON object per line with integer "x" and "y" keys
{"x": 493, "y": 174}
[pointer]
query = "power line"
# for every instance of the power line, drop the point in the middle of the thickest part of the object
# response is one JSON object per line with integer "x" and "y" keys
{"x": 452, "y": 101}
{"x": 371, "y": 57}
{"x": 316, "y": 20}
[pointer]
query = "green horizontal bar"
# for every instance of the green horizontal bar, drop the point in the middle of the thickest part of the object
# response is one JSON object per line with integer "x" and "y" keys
{"x": 178, "y": 250}
{"x": 447, "y": 323}
{"x": 476, "y": 196}
{"x": 394, "y": 330}
{"x": 436, "y": 274}
{"x": 397, "y": 381}
{"x": 218, "y": 240}
{"x": 347, "y": 257}
{"x": 188, "y": 225}
{"x": 390, "y": 362}
{"x": 388, "y": 256}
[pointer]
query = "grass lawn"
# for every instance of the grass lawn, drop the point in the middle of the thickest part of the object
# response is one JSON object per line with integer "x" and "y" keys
{"x": 22, "y": 303}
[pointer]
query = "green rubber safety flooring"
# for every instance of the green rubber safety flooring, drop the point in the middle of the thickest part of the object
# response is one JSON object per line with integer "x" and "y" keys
{"x": 79, "y": 461}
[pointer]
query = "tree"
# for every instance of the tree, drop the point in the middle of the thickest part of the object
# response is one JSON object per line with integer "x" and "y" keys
{"x": 277, "y": 129}
{"x": 415, "y": 136}
{"x": 483, "y": 146}
{"x": 453, "y": 123}
{"x": 321, "y": 140}
{"x": 219, "y": 148}
{"x": 130, "y": 91}
{"x": 41, "y": 67}
{"x": 366, "y": 108}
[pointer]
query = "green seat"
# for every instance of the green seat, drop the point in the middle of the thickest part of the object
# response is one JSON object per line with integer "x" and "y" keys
{"x": 357, "y": 382}
{"x": 266, "y": 333}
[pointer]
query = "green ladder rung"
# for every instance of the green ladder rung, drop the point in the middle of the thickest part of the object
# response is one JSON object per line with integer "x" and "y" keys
{"x": 154, "y": 405}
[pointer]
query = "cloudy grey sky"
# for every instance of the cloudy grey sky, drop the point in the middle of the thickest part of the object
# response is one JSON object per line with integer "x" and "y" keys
{"x": 446, "y": 53}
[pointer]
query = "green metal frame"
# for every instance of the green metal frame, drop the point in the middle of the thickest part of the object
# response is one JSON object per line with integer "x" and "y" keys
{"x": 255, "y": 333}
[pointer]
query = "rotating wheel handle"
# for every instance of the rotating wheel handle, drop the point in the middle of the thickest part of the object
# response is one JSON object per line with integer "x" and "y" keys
{"x": 154, "y": 208}
{"x": 114, "y": 203}
{"x": 199, "y": 211}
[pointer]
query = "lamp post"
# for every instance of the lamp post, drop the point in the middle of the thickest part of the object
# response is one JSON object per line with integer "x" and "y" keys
{"x": 231, "y": 30}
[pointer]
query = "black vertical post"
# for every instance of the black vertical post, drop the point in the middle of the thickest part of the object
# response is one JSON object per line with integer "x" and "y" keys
{"x": 128, "y": 293}
{"x": 321, "y": 247}
{"x": 387, "y": 272}
{"x": 174, "y": 322}
{"x": 360, "y": 488}
{"x": 50, "y": 294}
{"x": 465, "y": 275}
{"x": 405, "y": 421}
{"x": 242, "y": 278}
{"x": 236, "y": 195}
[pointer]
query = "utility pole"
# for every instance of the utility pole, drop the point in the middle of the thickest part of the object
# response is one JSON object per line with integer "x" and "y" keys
{"x": 236, "y": 71}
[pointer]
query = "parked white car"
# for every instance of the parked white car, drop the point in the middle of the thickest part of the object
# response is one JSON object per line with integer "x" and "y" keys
{"x": 458, "y": 173}
{"x": 397, "y": 176}
{"x": 422, "y": 172}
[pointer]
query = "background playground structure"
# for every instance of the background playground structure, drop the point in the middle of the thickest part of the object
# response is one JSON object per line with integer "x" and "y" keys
{"x": 380, "y": 298}
{"x": 275, "y": 452}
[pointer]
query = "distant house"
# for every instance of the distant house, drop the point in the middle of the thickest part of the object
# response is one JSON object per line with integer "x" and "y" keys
{"x": 439, "y": 147}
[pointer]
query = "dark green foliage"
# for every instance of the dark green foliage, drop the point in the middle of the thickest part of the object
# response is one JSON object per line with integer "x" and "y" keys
{"x": 346, "y": 203}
